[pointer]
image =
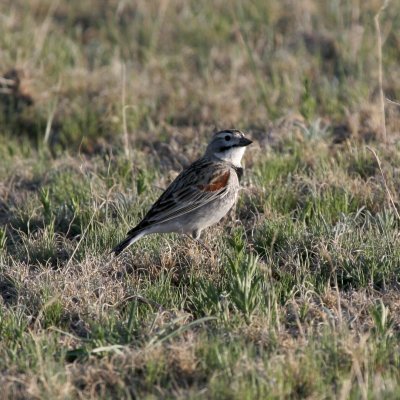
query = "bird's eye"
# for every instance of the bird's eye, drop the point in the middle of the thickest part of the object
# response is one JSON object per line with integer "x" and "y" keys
{"x": 227, "y": 138}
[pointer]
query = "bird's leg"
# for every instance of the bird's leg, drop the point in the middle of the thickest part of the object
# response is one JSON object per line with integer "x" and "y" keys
{"x": 196, "y": 238}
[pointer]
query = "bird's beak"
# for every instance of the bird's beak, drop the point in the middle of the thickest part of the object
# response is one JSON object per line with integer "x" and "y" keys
{"x": 244, "y": 141}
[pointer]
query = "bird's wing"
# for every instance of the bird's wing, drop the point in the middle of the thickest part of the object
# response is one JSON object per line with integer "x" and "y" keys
{"x": 201, "y": 183}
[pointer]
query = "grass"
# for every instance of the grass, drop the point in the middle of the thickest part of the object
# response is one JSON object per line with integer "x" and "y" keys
{"x": 101, "y": 105}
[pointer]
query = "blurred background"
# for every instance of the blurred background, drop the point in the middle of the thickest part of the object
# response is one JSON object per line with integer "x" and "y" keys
{"x": 87, "y": 74}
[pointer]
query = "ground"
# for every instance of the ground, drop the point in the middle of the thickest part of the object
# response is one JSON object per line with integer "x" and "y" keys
{"x": 103, "y": 103}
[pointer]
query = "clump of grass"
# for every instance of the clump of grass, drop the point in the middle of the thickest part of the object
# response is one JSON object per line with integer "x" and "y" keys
{"x": 244, "y": 279}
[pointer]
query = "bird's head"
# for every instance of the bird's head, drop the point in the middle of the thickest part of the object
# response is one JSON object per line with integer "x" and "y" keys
{"x": 228, "y": 145}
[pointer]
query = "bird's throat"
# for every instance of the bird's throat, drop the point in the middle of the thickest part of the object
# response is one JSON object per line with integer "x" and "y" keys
{"x": 233, "y": 155}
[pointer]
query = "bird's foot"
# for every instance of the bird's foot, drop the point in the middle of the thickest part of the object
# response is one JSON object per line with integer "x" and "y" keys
{"x": 201, "y": 243}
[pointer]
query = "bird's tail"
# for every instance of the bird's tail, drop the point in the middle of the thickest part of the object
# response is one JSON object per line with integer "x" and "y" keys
{"x": 133, "y": 236}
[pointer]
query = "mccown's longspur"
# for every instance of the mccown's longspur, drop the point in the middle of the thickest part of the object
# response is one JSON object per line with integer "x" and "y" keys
{"x": 200, "y": 195}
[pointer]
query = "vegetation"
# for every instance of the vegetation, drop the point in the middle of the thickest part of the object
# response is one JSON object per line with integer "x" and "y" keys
{"x": 102, "y": 104}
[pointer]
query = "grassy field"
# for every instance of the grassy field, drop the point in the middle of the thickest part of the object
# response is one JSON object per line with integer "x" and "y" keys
{"x": 102, "y": 103}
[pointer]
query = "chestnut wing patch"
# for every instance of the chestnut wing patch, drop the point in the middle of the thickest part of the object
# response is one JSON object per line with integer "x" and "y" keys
{"x": 217, "y": 183}
{"x": 184, "y": 195}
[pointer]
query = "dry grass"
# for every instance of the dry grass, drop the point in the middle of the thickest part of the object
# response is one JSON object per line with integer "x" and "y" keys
{"x": 102, "y": 104}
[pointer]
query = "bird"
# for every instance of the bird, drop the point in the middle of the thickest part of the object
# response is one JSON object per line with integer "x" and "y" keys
{"x": 200, "y": 196}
